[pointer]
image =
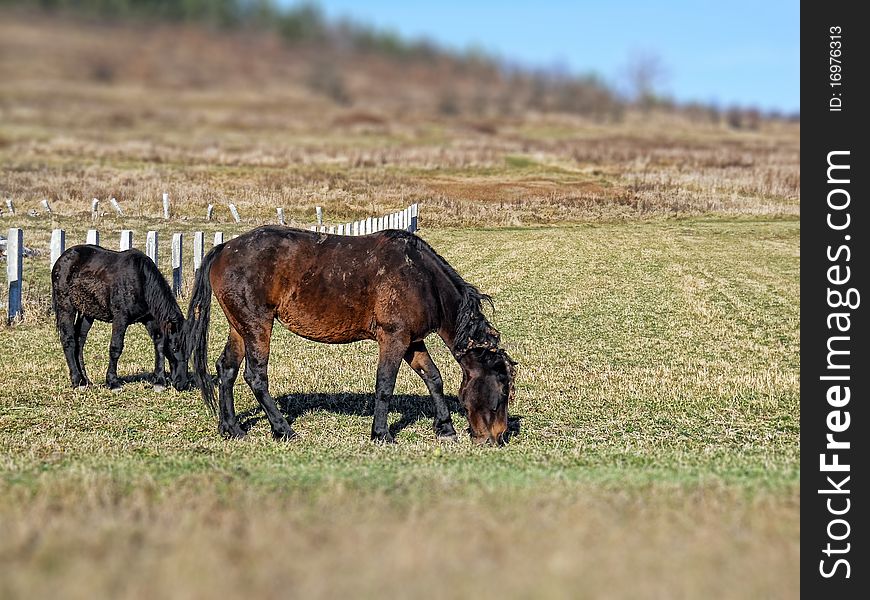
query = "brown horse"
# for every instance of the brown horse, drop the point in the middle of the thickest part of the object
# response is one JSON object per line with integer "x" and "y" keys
{"x": 390, "y": 286}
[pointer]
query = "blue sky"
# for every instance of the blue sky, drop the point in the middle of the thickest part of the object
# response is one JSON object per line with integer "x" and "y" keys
{"x": 729, "y": 52}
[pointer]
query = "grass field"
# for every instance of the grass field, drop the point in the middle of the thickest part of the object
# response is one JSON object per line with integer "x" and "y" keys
{"x": 659, "y": 410}
{"x": 645, "y": 275}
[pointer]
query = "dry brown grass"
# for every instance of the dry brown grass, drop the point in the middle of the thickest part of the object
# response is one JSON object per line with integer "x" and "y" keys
{"x": 94, "y": 112}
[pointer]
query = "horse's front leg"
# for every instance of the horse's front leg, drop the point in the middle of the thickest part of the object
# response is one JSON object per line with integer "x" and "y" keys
{"x": 116, "y": 346}
{"x": 391, "y": 350}
{"x": 421, "y": 362}
{"x": 159, "y": 339}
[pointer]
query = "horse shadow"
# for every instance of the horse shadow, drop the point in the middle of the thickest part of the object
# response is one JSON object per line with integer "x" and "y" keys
{"x": 136, "y": 378}
{"x": 411, "y": 409}
{"x": 148, "y": 378}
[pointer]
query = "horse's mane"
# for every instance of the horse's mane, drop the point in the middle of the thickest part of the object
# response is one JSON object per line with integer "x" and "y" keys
{"x": 158, "y": 295}
{"x": 473, "y": 330}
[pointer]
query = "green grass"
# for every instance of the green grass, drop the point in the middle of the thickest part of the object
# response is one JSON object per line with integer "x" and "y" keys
{"x": 658, "y": 398}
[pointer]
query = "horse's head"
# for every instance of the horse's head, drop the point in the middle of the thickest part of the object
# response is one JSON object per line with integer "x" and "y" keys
{"x": 486, "y": 390}
{"x": 177, "y": 354}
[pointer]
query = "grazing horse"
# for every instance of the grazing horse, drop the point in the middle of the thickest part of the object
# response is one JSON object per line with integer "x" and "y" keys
{"x": 89, "y": 282}
{"x": 390, "y": 286}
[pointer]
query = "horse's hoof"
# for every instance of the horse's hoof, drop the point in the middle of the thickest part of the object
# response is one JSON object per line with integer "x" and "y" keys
{"x": 445, "y": 431}
{"x": 159, "y": 388}
{"x": 233, "y": 433}
{"x": 116, "y": 389}
{"x": 387, "y": 438}
{"x": 441, "y": 437}
{"x": 284, "y": 436}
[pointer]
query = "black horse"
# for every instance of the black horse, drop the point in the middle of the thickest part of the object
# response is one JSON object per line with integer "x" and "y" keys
{"x": 122, "y": 288}
{"x": 391, "y": 287}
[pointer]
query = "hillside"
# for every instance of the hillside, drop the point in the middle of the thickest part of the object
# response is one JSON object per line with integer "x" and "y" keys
{"x": 91, "y": 110}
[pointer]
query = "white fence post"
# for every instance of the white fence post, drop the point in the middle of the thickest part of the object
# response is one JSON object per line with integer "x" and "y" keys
{"x": 151, "y": 246}
{"x": 10, "y": 206}
{"x": 280, "y": 212}
{"x": 235, "y": 212}
{"x": 95, "y": 210}
{"x": 126, "y": 240}
{"x": 209, "y": 211}
{"x": 58, "y": 245}
{"x": 116, "y": 206}
{"x": 356, "y": 228}
{"x": 198, "y": 250}
{"x": 319, "y": 211}
{"x": 93, "y": 237}
{"x": 14, "y": 259}
{"x": 165, "y": 205}
{"x": 177, "y": 241}
{"x": 46, "y": 205}
{"x": 414, "y": 210}
{"x": 218, "y": 238}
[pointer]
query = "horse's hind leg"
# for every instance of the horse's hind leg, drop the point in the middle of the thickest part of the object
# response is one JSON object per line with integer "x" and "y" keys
{"x": 82, "y": 327}
{"x": 391, "y": 350}
{"x": 421, "y": 362}
{"x": 257, "y": 343}
{"x": 66, "y": 328}
{"x": 116, "y": 346}
{"x": 228, "y": 370}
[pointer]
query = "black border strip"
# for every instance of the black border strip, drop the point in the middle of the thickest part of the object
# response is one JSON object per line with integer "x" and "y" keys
{"x": 830, "y": 254}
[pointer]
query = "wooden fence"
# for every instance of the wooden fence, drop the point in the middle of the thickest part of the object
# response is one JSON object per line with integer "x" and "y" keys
{"x": 15, "y": 250}
{"x": 403, "y": 219}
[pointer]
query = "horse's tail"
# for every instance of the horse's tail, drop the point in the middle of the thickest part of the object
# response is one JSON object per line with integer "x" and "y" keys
{"x": 196, "y": 328}
{"x": 60, "y": 279}
{"x": 53, "y": 295}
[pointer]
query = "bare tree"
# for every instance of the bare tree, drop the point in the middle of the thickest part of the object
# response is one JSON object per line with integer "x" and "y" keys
{"x": 645, "y": 74}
